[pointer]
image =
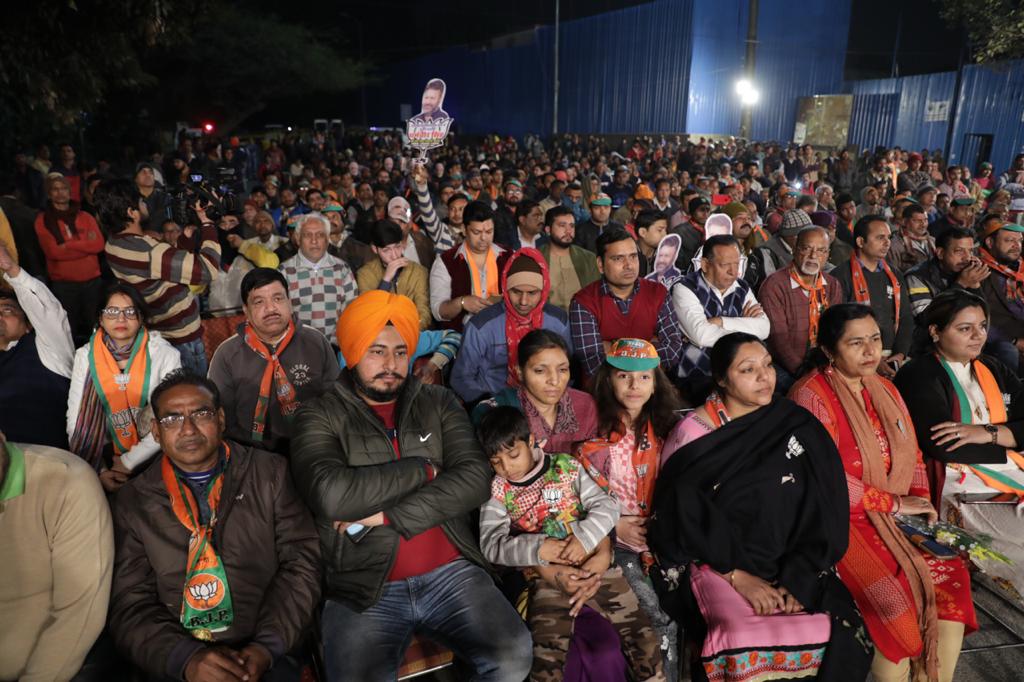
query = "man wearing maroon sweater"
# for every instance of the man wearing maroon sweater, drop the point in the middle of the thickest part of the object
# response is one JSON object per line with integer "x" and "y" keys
{"x": 391, "y": 470}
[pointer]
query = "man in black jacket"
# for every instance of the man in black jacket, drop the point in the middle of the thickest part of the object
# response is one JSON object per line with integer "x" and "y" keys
{"x": 216, "y": 572}
{"x": 392, "y": 470}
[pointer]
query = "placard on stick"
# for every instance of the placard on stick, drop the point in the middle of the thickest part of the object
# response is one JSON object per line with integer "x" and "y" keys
{"x": 429, "y": 128}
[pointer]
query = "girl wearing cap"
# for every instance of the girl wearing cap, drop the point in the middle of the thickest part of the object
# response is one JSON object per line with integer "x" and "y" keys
{"x": 746, "y": 531}
{"x": 636, "y": 409}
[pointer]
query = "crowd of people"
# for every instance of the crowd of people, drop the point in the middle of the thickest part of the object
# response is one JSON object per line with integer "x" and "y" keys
{"x": 570, "y": 409}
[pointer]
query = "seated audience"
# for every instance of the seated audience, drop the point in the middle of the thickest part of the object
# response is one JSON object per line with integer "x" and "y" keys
{"x": 1004, "y": 290}
{"x": 319, "y": 285}
{"x": 636, "y": 407}
{"x": 869, "y": 280}
{"x": 777, "y": 253}
{"x": 560, "y": 417}
{"x": 109, "y": 417}
{"x": 546, "y": 509}
{"x": 270, "y": 366}
{"x": 391, "y": 470}
{"x": 915, "y": 606}
{"x": 745, "y": 561}
{"x": 969, "y": 411}
{"x": 217, "y": 562}
{"x": 710, "y": 303}
{"x": 794, "y": 299}
{"x": 911, "y": 242}
{"x": 588, "y": 231}
{"x": 465, "y": 279}
{"x": 954, "y": 266}
{"x": 56, "y": 532}
{"x": 490, "y": 342}
{"x": 392, "y": 271}
{"x": 571, "y": 267}
{"x": 36, "y": 358}
{"x": 622, "y": 305}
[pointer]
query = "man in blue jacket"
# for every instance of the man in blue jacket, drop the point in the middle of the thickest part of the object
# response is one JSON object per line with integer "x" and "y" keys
{"x": 490, "y": 342}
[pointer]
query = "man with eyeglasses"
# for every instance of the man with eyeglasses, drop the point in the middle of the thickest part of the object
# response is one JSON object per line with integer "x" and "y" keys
{"x": 216, "y": 571}
{"x": 36, "y": 357}
{"x": 319, "y": 284}
{"x": 621, "y": 304}
{"x": 794, "y": 299}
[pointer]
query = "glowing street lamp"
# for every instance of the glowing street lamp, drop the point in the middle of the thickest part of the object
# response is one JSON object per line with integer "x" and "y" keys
{"x": 748, "y": 94}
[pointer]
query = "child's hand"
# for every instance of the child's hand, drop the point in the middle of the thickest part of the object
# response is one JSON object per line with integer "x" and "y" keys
{"x": 551, "y": 551}
{"x": 573, "y": 553}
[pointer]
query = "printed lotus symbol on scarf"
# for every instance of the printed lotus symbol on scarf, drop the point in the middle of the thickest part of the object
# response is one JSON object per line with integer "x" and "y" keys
{"x": 204, "y": 591}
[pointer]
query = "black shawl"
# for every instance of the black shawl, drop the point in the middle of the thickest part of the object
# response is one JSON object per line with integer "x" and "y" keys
{"x": 765, "y": 493}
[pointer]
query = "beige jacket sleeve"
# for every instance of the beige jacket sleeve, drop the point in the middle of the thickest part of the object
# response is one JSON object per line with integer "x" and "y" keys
{"x": 7, "y": 236}
{"x": 82, "y": 540}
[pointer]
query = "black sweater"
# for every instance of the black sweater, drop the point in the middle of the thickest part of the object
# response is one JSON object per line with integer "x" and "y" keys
{"x": 928, "y": 392}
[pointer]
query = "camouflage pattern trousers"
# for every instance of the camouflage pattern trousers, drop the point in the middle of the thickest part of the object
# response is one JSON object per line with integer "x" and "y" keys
{"x": 552, "y": 627}
{"x": 668, "y": 632}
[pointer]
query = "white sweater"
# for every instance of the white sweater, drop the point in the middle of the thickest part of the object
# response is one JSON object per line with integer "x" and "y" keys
{"x": 164, "y": 359}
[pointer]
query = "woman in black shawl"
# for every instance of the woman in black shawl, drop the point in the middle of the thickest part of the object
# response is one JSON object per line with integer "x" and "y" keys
{"x": 749, "y": 520}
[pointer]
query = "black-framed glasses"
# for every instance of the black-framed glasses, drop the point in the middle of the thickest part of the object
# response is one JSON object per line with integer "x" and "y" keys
{"x": 127, "y": 313}
{"x": 200, "y": 417}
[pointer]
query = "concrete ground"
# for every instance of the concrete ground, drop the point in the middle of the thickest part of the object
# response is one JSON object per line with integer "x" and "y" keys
{"x": 995, "y": 653}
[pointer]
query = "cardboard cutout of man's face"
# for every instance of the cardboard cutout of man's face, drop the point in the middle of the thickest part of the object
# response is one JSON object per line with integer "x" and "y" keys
{"x": 432, "y": 99}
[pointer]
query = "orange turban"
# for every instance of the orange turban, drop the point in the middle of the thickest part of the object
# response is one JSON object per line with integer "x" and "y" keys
{"x": 364, "y": 318}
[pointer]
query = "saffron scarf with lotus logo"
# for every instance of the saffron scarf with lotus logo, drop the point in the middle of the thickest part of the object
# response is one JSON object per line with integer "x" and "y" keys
{"x": 206, "y": 600}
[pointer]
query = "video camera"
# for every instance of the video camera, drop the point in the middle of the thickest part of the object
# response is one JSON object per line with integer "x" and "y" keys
{"x": 216, "y": 201}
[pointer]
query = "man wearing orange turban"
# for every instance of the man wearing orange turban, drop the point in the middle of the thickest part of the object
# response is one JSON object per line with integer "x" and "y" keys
{"x": 364, "y": 318}
{"x": 391, "y": 469}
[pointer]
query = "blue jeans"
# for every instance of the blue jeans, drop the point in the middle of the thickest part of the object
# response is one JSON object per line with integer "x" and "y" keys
{"x": 456, "y": 605}
{"x": 193, "y": 356}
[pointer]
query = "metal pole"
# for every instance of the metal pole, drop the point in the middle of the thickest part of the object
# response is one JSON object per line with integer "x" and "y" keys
{"x": 894, "y": 71}
{"x": 955, "y": 104}
{"x": 554, "y": 116}
{"x": 747, "y": 113}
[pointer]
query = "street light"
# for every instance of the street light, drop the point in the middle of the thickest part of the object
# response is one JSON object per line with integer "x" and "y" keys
{"x": 748, "y": 94}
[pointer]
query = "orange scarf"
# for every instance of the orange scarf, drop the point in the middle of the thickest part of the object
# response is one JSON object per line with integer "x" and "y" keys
{"x": 996, "y": 415}
{"x": 206, "y": 605}
{"x": 860, "y": 287}
{"x": 122, "y": 392}
{"x": 491, "y": 268}
{"x": 899, "y": 431}
{"x": 817, "y": 302}
{"x": 1014, "y": 278}
{"x": 594, "y": 455}
{"x": 273, "y": 373}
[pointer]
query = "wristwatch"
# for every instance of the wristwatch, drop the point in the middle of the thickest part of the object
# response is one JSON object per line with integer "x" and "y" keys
{"x": 994, "y": 430}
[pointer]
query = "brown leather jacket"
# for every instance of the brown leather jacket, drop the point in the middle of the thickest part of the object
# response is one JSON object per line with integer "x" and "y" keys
{"x": 265, "y": 537}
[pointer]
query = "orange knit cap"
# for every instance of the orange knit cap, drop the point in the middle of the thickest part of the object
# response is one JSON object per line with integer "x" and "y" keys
{"x": 365, "y": 317}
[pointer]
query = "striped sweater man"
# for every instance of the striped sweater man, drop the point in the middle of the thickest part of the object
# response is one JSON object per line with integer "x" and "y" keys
{"x": 163, "y": 273}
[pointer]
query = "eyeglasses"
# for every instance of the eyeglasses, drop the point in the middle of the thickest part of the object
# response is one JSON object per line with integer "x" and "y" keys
{"x": 200, "y": 417}
{"x": 9, "y": 311}
{"x": 813, "y": 252}
{"x": 127, "y": 313}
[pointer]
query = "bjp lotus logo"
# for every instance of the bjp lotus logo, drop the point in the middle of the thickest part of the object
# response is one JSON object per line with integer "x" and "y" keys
{"x": 204, "y": 591}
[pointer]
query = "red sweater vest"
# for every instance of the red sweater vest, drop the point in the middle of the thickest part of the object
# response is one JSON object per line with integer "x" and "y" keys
{"x": 462, "y": 280}
{"x": 642, "y": 321}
